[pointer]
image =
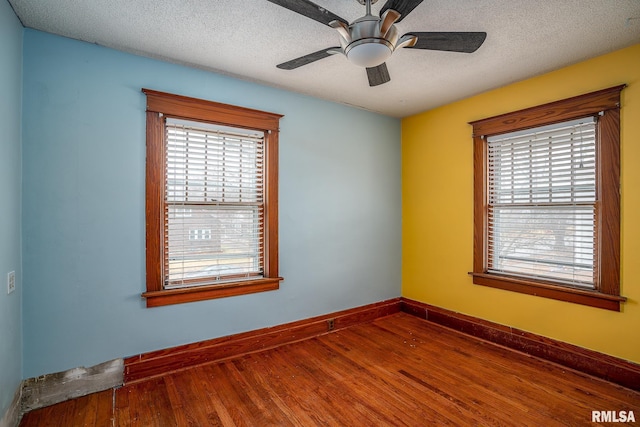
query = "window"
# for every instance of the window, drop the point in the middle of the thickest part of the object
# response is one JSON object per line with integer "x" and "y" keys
{"x": 547, "y": 200}
{"x": 212, "y": 202}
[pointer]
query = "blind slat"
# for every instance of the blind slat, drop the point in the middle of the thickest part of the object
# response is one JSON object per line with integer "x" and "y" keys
{"x": 541, "y": 195}
{"x": 214, "y": 213}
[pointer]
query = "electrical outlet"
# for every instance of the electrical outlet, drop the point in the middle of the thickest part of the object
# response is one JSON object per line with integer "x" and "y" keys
{"x": 331, "y": 324}
{"x": 11, "y": 282}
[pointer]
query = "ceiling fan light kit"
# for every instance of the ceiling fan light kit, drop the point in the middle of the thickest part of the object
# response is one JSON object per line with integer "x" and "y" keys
{"x": 368, "y": 52}
{"x": 370, "y": 40}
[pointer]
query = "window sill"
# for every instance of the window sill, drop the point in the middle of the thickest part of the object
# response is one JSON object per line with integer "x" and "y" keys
{"x": 548, "y": 290}
{"x": 200, "y": 293}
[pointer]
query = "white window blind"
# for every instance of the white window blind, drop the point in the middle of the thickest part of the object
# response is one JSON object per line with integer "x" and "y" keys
{"x": 214, "y": 207}
{"x": 541, "y": 203}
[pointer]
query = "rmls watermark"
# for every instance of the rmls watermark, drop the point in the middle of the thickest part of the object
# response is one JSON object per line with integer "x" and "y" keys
{"x": 613, "y": 417}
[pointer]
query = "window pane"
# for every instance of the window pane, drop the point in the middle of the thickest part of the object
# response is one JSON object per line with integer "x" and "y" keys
{"x": 553, "y": 243}
{"x": 543, "y": 166}
{"x": 214, "y": 196}
{"x": 212, "y": 165}
{"x": 213, "y": 242}
{"x": 542, "y": 188}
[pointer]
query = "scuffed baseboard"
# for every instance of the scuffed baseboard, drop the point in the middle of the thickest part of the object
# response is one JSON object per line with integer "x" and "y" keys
{"x": 163, "y": 362}
{"x": 11, "y": 418}
{"x": 606, "y": 367}
{"x": 50, "y": 389}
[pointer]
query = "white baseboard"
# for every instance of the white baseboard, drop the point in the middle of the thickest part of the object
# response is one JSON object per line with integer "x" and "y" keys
{"x": 50, "y": 389}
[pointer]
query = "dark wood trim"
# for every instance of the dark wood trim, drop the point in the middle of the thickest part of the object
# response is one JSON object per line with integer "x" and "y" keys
{"x": 158, "y": 363}
{"x": 608, "y": 207}
{"x": 199, "y": 109}
{"x": 271, "y": 205}
{"x": 609, "y": 368}
{"x": 554, "y": 112}
{"x": 154, "y": 203}
{"x": 550, "y": 290}
{"x": 606, "y": 105}
{"x": 479, "y": 204}
{"x": 199, "y": 293}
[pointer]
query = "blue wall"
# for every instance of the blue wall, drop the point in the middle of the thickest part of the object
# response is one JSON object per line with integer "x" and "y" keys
{"x": 83, "y": 205}
{"x": 10, "y": 178}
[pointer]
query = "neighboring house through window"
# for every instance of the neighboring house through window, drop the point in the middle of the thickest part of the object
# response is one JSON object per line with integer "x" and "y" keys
{"x": 547, "y": 200}
{"x": 199, "y": 234}
{"x": 211, "y": 200}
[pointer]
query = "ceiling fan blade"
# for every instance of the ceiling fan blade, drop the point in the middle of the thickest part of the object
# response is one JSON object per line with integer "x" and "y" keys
{"x": 378, "y": 75}
{"x": 404, "y": 7}
{"x": 450, "y": 42}
{"x": 310, "y": 10}
{"x": 308, "y": 59}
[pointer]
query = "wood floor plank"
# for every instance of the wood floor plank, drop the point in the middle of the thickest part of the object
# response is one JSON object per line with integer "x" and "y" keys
{"x": 379, "y": 398}
{"x": 385, "y": 398}
{"x": 183, "y": 390}
{"x": 122, "y": 411}
{"x": 349, "y": 390}
{"x": 441, "y": 409}
{"x": 287, "y": 379}
{"x": 500, "y": 359}
{"x": 98, "y": 410}
{"x": 395, "y": 371}
{"x": 353, "y": 395}
{"x": 221, "y": 413}
{"x": 228, "y": 392}
{"x": 93, "y": 410}
{"x": 256, "y": 371}
{"x": 148, "y": 404}
{"x": 461, "y": 382}
{"x": 268, "y": 414}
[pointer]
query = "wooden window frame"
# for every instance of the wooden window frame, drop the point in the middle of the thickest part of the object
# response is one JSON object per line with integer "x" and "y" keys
{"x": 605, "y": 104}
{"x": 161, "y": 105}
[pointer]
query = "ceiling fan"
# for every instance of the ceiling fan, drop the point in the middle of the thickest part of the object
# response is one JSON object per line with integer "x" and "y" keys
{"x": 370, "y": 40}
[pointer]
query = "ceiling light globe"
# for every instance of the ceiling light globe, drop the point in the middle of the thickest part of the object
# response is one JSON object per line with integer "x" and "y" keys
{"x": 369, "y": 53}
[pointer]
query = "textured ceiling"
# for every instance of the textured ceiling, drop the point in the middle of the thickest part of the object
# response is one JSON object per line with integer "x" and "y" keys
{"x": 248, "y": 38}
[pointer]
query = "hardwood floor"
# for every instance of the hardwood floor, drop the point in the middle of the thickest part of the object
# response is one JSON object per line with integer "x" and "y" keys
{"x": 398, "y": 370}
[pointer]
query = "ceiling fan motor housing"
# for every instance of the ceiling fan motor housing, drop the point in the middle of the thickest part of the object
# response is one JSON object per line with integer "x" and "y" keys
{"x": 367, "y": 46}
{"x": 365, "y": 42}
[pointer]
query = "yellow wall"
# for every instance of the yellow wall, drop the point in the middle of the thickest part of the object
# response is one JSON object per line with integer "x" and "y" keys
{"x": 437, "y": 193}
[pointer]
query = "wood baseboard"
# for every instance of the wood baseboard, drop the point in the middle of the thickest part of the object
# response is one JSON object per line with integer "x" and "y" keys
{"x": 609, "y": 368}
{"x": 161, "y": 362}
{"x": 50, "y": 389}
